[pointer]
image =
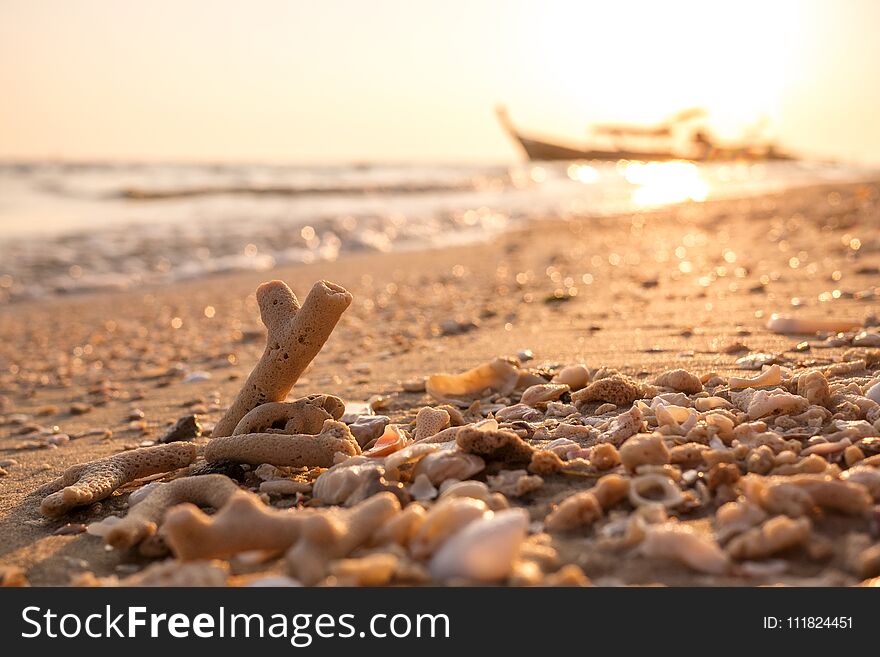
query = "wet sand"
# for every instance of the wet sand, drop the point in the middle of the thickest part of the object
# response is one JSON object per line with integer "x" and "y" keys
{"x": 640, "y": 293}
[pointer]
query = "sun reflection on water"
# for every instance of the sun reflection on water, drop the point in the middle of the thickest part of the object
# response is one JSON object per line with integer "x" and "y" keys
{"x": 659, "y": 183}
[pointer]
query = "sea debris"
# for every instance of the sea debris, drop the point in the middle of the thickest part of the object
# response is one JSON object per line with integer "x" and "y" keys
{"x": 644, "y": 449}
{"x": 186, "y": 428}
{"x": 617, "y": 389}
{"x": 498, "y": 376}
{"x": 775, "y": 535}
{"x": 485, "y": 550}
{"x": 574, "y": 376}
{"x": 680, "y": 380}
{"x": 653, "y": 489}
{"x": 795, "y": 325}
{"x": 542, "y": 393}
{"x": 431, "y": 421}
{"x": 144, "y": 518}
{"x": 772, "y": 376}
{"x": 494, "y": 445}
{"x": 514, "y": 483}
{"x": 334, "y": 533}
{"x": 446, "y": 464}
{"x": 305, "y": 415}
{"x": 679, "y": 541}
{"x": 286, "y": 449}
{"x": 447, "y": 517}
{"x": 392, "y": 440}
{"x": 90, "y": 482}
{"x": 295, "y": 336}
{"x": 584, "y": 508}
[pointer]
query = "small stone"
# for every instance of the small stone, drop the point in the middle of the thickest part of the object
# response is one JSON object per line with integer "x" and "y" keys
{"x": 187, "y": 427}
{"x": 70, "y": 529}
{"x": 195, "y": 377}
{"x": 135, "y": 414}
{"x": 80, "y": 408}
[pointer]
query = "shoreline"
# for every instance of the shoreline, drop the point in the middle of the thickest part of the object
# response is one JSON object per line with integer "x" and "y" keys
{"x": 606, "y": 291}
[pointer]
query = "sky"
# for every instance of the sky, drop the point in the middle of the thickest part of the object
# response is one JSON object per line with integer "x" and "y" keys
{"x": 392, "y": 80}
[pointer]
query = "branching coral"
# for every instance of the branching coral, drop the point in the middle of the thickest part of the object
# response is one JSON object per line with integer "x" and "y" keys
{"x": 295, "y": 336}
{"x": 296, "y": 450}
{"x": 90, "y": 482}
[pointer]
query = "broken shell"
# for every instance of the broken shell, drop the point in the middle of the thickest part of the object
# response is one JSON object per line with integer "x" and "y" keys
{"x": 772, "y": 376}
{"x": 766, "y": 402}
{"x": 336, "y": 484}
{"x": 791, "y": 325}
{"x": 393, "y": 440}
{"x": 475, "y": 489}
{"x": 422, "y": 488}
{"x": 449, "y": 464}
{"x": 574, "y": 376}
{"x": 669, "y": 494}
{"x": 514, "y": 483}
{"x": 543, "y": 393}
{"x": 676, "y": 540}
{"x": 367, "y": 428}
{"x": 409, "y": 454}
{"x": 444, "y": 519}
{"x": 497, "y": 376}
{"x": 485, "y": 550}
{"x": 644, "y": 449}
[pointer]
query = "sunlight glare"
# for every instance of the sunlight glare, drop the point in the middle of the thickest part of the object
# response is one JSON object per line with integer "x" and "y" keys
{"x": 658, "y": 183}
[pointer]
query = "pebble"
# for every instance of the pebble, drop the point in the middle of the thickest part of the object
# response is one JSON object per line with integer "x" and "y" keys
{"x": 187, "y": 427}
{"x": 80, "y": 408}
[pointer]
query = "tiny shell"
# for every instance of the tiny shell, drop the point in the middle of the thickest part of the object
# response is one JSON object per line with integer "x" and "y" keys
{"x": 445, "y": 519}
{"x": 485, "y": 550}
{"x": 543, "y": 393}
{"x": 422, "y": 488}
{"x": 772, "y": 376}
{"x": 449, "y": 464}
{"x": 393, "y": 440}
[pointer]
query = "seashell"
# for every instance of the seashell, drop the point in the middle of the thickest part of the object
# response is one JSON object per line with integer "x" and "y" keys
{"x": 873, "y": 393}
{"x": 497, "y": 376}
{"x": 675, "y": 540}
{"x": 673, "y": 415}
{"x": 644, "y": 449}
{"x": 367, "y": 428}
{"x": 754, "y": 361}
{"x": 791, "y": 325}
{"x": 445, "y": 518}
{"x": 514, "y": 483}
{"x": 543, "y": 393}
{"x": 670, "y": 399}
{"x": 475, "y": 489}
{"x": 485, "y": 550}
{"x": 710, "y": 403}
{"x": 422, "y": 488}
{"x": 519, "y": 412}
{"x": 766, "y": 402}
{"x": 393, "y": 440}
{"x": 639, "y": 486}
{"x": 409, "y": 454}
{"x": 772, "y": 376}
{"x": 574, "y": 376}
{"x": 336, "y": 484}
{"x": 354, "y": 410}
{"x": 449, "y": 464}
{"x": 623, "y": 426}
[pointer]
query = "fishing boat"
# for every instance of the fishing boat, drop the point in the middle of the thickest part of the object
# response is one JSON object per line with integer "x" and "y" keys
{"x": 701, "y": 147}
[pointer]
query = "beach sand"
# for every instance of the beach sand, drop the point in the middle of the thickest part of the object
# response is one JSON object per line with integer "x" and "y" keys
{"x": 641, "y": 293}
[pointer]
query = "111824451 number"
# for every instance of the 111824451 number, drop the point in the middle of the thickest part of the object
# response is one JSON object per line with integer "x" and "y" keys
{"x": 808, "y": 622}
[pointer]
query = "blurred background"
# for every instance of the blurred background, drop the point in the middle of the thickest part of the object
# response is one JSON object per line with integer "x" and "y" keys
{"x": 146, "y": 142}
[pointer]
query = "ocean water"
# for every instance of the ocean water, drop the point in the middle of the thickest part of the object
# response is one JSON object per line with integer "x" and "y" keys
{"x": 67, "y": 228}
